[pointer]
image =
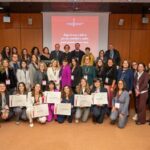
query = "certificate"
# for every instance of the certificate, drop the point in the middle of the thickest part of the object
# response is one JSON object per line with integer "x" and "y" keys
{"x": 17, "y": 100}
{"x": 52, "y": 97}
{"x": 40, "y": 110}
{"x": 83, "y": 100}
{"x": 62, "y": 109}
{"x": 100, "y": 98}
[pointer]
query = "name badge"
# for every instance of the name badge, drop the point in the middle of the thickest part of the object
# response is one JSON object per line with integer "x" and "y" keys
{"x": 44, "y": 82}
{"x": 106, "y": 80}
{"x": 86, "y": 77}
{"x": 117, "y": 105}
{"x": 72, "y": 77}
{"x": 7, "y": 82}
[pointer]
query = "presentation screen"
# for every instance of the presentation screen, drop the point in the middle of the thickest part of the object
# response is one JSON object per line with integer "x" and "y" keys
{"x": 75, "y": 29}
{"x": 90, "y": 30}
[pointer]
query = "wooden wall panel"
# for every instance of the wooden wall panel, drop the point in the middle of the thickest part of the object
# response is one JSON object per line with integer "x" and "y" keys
{"x": 140, "y": 45}
{"x": 15, "y": 22}
{"x": 30, "y": 38}
{"x": 114, "y": 20}
{"x": 137, "y": 22}
{"x": 10, "y": 37}
{"x": 36, "y": 18}
{"x": 120, "y": 40}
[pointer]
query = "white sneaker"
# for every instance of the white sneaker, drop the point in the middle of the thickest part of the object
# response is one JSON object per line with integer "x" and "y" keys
{"x": 135, "y": 117}
{"x": 17, "y": 122}
{"x": 31, "y": 125}
{"x": 76, "y": 121}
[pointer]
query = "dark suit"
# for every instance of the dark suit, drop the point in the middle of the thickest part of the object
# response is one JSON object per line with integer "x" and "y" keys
{"x": 77, "y": 74}
{"x": 77, "y": 54}
{"x": 98, "y": 112}
{"x": 142, "y": 98}
{"x": 57, "y": 55}
{"x": 116, "y": 56}
{"x": 67, "y": 56}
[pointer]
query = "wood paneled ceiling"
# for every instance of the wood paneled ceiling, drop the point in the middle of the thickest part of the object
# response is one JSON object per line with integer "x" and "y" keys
{"x": 26, "y": 6}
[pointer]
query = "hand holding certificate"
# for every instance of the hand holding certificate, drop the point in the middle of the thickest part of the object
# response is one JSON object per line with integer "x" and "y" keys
{"x": 52, "y": 97}
{"x": 62, "y": 109}
{"x": 83, "y": 100}
{"x": 40, "y": 110}
{"x": 100, "y": 98}
{"x": 17, "y": 100}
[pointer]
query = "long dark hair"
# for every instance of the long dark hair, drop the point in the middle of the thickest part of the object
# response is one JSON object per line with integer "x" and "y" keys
{"x": 53, "y": 83}
{"x": 33, "y": 91}
{"x": 25, "y": 89}
{"x": 63, "y": 94}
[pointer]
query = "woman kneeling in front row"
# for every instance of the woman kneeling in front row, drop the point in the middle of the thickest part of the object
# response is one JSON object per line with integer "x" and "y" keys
{"x": 36, "y": 98}
{"x": 120, "y": 105}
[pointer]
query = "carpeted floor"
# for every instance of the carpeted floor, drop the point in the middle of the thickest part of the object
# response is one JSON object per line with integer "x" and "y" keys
{"x": 82, "y": 136}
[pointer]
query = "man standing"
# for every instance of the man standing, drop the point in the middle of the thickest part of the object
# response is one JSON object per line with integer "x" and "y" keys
{"x": 57, "y": 54}
{"x": 112, "y": 53}
{"x": 77, "y": 53}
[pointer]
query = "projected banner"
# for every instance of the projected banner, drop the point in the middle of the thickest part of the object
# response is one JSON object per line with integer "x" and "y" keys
{"x": 75, "y": 29}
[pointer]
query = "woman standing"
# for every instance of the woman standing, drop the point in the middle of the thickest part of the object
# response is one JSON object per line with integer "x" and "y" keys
{"x": 45, "y": 57}
{"x": 33, "y": 68}
{"x": 120, "y": 105}
{"x": 67, "y": 97}
{"x": 41, "y": 76}
{"x": 76, "y": 73}
{"x": 100, "y": 70}
{"x": 141, "y": 91}
{"x": 6, "y": 53}
{"x": 36, "y": 98}
{"x": 65, "y": 74}
{"x": 23, "y": 75}
{"x": 53, "y": 73}
{"x": 110, "y": 80}
{"x": 82, "y": 112}
{"x": 126, "y": 74}
{"x": 8, "y": 76}
{"x": 20, "y": 112}
{"x": 25, "y": 56}
{"x": 88, "y": 71}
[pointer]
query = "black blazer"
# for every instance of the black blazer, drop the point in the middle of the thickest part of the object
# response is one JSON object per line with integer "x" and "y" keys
{"x": 59, "y": 57}
{"x": 77, "y": 73}
{"x": 11, "y": 77}
{"x": 77, "y": 54}
{"x": 67, "y": 56}
{"x": 116, "y": 56}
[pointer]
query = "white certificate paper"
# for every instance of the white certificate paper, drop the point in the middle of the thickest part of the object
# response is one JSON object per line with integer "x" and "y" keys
{"x": 100, "y": 98}
{"x": 83, "y": 100}
{"x": 62, "y": 109}
{"x": 17, "y": 100}
{"x": 52, "y": 97}
{"x": 40, "y": 110}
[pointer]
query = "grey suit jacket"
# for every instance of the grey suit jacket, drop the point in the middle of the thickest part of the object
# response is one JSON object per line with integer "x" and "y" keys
{"x": 124, "y": 100}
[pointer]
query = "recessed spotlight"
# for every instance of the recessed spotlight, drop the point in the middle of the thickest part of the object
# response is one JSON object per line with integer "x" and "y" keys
{"x": 1, "y": 8}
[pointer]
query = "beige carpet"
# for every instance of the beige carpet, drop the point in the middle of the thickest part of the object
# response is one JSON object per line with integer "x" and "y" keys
{"x": 82, "y": 136}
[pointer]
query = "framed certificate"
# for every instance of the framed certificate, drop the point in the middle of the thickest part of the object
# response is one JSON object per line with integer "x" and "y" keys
{"x": 83, "y": 100}
{"x": 100, "y": 98}
{"x": 62, "y": 109}
{"x": 17, "y": 100}
{"x": 40, "y": 110}
{"x": 52, "y": 97}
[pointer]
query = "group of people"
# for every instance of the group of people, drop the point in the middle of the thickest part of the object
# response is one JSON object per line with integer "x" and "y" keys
{"x": 73, "y": 72}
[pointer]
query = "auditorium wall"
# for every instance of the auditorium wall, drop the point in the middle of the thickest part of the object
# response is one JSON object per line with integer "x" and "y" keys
{"x": 21, "y": 34}
{"x": 132, "y": 39}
